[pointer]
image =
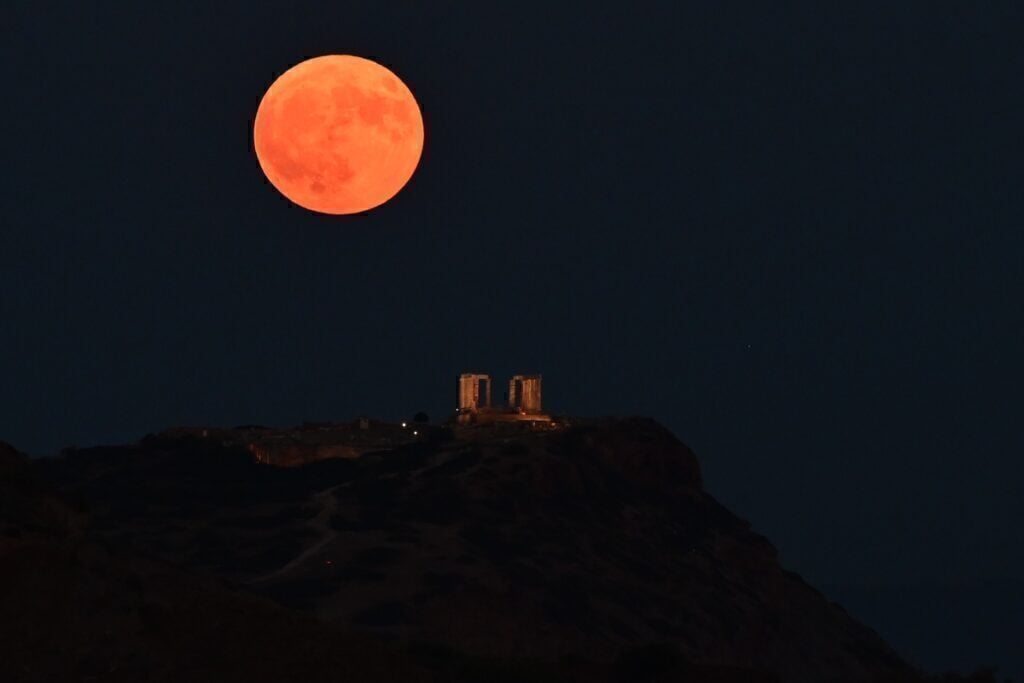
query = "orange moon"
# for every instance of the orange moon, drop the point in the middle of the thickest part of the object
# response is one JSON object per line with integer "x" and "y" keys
{"x": 338, "y": 134}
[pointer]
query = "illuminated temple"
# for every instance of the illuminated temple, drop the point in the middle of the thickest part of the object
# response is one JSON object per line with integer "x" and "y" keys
{"x": 523, "y": 405}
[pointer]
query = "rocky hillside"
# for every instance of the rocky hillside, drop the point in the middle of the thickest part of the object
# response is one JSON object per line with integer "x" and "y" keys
{"x": 588, "y": 543}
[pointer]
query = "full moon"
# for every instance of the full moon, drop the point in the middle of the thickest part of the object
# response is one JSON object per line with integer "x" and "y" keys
{"x": 338, "y": 134}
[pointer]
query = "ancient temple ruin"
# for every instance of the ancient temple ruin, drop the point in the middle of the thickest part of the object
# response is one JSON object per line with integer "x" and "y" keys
{"x": 524, "y": 393}
{"x": 474, "y": 392}
{"x": 523, "y": 405}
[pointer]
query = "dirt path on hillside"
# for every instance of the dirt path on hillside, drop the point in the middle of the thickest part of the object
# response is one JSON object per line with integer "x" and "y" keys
{"x": 322, "y": 523}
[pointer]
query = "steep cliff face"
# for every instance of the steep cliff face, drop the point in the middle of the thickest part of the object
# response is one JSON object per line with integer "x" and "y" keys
{"x": 588, "y": 542}
{"x": 639, "y": 449}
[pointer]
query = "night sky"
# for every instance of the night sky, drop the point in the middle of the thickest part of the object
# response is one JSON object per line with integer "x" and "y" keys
{"x": 793, "y": 237}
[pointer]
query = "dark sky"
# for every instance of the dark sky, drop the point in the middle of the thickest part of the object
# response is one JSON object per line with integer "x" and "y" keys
{"x": 794, "y": 237}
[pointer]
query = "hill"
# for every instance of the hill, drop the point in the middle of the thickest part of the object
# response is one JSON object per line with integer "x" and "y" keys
{"x": 589, "y": 552}
{"x": 587, "y": 543}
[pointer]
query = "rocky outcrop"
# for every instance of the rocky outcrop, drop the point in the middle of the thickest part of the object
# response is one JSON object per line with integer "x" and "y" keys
{"x": 638, "y": 449}
{"x": 293, "y": 454}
